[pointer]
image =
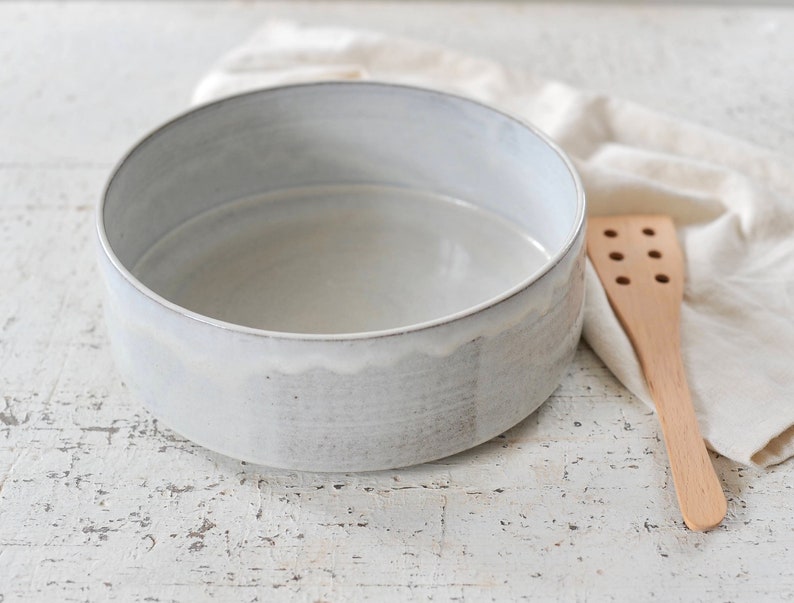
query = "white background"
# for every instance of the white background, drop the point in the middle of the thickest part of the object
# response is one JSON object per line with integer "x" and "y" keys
{"x": 98, "y": 501}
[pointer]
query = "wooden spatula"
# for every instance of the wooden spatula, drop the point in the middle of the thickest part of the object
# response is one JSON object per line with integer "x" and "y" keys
{"x": 641, "y": 267}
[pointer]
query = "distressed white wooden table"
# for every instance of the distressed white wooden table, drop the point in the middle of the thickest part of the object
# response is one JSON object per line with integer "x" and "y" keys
{"x": 98, "y": 501}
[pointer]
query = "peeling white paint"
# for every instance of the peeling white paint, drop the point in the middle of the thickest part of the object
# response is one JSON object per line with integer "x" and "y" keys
{"x": 99, "y": 502}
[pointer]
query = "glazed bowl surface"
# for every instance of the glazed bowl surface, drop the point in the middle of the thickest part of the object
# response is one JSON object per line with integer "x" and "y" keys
{"x": 343, "y": 276}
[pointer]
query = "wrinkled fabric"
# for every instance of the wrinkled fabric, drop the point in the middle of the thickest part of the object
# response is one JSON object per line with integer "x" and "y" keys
{"x": 733, "y": 204}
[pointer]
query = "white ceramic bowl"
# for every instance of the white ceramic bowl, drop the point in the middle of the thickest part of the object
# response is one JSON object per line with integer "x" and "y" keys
{"x": 343, "y": 276}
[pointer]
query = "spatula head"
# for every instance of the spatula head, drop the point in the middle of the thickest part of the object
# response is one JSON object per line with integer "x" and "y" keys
{"x": 640, "y": 264}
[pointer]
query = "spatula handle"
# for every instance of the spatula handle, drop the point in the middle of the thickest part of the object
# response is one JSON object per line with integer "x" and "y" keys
{"x": 697, "y": 487}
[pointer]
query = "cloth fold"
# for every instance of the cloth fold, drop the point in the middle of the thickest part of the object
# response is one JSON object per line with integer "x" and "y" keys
{"x": 733, "y": 204}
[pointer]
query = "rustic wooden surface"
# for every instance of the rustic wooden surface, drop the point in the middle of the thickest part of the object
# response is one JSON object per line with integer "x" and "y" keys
{"x": 98, "y": 501}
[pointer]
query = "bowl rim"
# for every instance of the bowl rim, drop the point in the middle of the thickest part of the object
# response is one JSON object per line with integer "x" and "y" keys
{"x": 140, "y": 145}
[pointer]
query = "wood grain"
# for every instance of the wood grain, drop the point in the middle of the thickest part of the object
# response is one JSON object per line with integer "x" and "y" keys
{"x": 640, "y": 264}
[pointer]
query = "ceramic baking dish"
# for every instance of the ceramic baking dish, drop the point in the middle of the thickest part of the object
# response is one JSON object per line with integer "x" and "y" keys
{"x": 343, "y": 276}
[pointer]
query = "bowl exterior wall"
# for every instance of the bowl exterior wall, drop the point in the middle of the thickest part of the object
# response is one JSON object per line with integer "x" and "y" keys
{"x": 349, "y": 404}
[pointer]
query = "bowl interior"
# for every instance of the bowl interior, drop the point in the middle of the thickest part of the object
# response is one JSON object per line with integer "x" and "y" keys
{"x": 339, "y": 208}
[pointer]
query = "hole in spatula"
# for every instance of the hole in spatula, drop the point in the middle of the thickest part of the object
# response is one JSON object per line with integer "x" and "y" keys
{"x": 662, "y": 278}
{"x": 616, "y": 255}
{"x": 610, "y": 233}
{"x": 622, "y": 280}
{"x": 655, "y": 254}
{"x": 648, "y": 232}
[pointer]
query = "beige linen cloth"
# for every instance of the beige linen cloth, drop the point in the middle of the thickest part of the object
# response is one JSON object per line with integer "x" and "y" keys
{"x": 733, "y": 204}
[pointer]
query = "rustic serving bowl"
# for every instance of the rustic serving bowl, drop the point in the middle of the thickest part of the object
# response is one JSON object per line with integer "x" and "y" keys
{"x": 343, "y": 276}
